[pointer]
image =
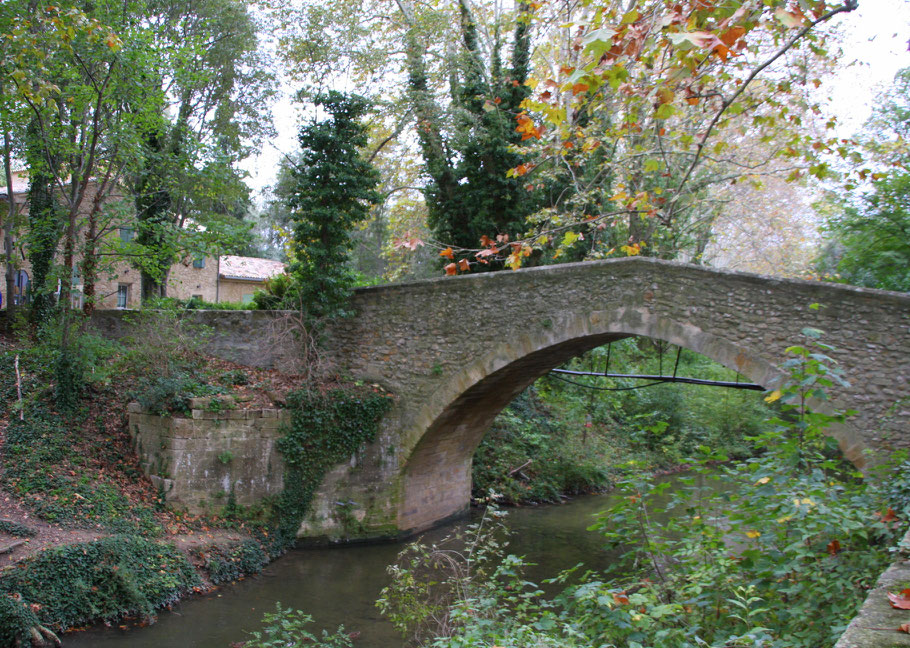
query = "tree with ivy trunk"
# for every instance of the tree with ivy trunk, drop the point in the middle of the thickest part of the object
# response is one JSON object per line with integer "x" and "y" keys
{"x": 470, "y": 193}
{"x": 210, "y": 93}
{"x": 334, "y": 189}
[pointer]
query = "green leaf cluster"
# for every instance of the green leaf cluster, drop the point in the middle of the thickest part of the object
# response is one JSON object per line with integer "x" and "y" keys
{"x": 334, "y": 188}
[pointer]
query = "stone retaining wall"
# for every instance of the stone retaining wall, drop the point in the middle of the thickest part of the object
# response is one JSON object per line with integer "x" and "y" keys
{"x": 199, "y": 460}
{"x": 876, "y": 625}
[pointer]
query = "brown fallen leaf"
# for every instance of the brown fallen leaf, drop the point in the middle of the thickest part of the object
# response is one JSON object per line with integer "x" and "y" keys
{"x": 900, "y": 601}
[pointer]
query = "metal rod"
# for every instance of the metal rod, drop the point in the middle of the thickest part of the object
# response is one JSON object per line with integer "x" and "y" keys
{"x": 678, "y": 379}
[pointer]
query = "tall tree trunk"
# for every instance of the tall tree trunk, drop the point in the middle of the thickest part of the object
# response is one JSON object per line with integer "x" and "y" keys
{"x": 8, "y": 224}
{"x": 90, "y": 263}
{"x": 153, "y": 206}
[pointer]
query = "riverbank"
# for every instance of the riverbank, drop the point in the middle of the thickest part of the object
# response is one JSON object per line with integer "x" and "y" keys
{"x": 88, "y": 536}
{"x": 84, "y": 535}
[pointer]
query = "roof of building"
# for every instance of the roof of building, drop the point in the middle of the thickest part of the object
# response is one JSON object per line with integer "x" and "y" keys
{"x": 248, "y": 268}
{"x": 20, "y": 186}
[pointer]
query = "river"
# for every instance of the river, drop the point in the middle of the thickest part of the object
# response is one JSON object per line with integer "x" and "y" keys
{"x": 339, "y": 585}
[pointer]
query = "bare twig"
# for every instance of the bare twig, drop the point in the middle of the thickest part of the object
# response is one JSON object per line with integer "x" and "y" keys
{"x": 19, "y": 388}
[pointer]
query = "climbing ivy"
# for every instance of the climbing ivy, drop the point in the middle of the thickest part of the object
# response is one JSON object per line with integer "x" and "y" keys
{"x": 324, "y": 429}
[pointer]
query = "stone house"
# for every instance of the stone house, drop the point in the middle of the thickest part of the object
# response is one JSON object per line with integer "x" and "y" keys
{"x": 118, "y": 284}
{"x": 239, "y": 277}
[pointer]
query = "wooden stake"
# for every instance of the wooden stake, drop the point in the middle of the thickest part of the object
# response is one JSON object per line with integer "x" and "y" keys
{"x": 19, "y": 388}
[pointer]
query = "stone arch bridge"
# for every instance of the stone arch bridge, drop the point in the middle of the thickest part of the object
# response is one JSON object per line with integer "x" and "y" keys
{"x": 456, "y": 350}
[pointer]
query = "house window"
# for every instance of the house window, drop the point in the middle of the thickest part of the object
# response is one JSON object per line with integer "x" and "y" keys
{"x": 126, "y": 234}
{"x": 77, "y": 299}
{"x": 76, "y": 279}
{"x": 248, "y": 299}
{"x": 199, "y": 262}
{"x": 123, "y": 295}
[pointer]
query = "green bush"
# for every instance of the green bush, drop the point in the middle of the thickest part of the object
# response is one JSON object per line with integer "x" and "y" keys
{"x": 104, "y": 580}
{"x": 228, "y": 564}
{"x": 287, "y": 629}
{"x": 166, "y": 395}
{"x": 530, "y": 455}
{"x": 17, "y": 619}
{"x": 234, "y": 377}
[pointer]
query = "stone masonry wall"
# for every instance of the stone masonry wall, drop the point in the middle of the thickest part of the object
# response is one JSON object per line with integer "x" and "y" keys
{"x": 197, "y": 461}
{"x": 877, "y": 624}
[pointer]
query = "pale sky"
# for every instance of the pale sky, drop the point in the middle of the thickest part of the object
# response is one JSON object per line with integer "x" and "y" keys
{"x": 875, "y": 43}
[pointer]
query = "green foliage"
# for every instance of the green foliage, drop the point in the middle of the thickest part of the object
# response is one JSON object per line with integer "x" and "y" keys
{"x": 531, "y": 455}
{"x": 324, "y": 429}
{"x": 872, "y": 241}
{"x": 235, "y": 377}
{"x": 166, "y": 395}
{"x": 37, "y": 468}
{"x": 230, "y": 563}
{"x": 558, "y": 438}
{"x": 286, "y": 628}
{"x": 432, "y": 585}
{"x": 870, "y": 235}
{"x": 165, "y": 341}
{"x": 278, "y": 290}
{"x": 104, "y": 580}
{"x": 16, "y": 620}
{"x": 335, "y": 187}
{"x": 470, "y": 193}
{"x": 193, "y": 303}
{"x": 45, "y": 221}
{"x": 775, "y": 550}
{"x": 16, "y": 529}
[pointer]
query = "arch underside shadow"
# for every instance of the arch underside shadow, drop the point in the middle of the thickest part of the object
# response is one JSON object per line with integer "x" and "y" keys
{"x": 437, "y": 471}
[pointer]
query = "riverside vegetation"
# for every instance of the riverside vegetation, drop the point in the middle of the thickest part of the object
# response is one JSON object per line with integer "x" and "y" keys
{"x": 68, "y": 459}
{"x": 771, "y": 548}
{"x": 781, "y": 555}
{"x": 559, "y": 439}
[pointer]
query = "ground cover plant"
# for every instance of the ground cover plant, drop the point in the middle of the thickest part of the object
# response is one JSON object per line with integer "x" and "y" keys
{"x": 767, "y": 551}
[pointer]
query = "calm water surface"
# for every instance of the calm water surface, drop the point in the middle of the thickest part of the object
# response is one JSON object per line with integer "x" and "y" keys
{"x": 339, "y": 585}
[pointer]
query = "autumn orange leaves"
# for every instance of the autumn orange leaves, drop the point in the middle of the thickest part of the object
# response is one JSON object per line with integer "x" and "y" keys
{"x": 500, "y": 248}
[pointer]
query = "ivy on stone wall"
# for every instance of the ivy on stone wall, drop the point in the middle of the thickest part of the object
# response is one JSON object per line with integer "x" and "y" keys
{"x": 324, "y": 430}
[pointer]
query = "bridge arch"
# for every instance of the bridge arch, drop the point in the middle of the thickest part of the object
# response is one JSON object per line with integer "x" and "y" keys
{"x": 436, "y": 468}
{"x": 456, "y": 350}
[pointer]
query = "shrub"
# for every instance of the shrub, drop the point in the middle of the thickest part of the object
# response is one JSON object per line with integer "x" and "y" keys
{"x": 286, "y": 628}
{"x": 228, "y": 564}
{"x": 169, "y": 394}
